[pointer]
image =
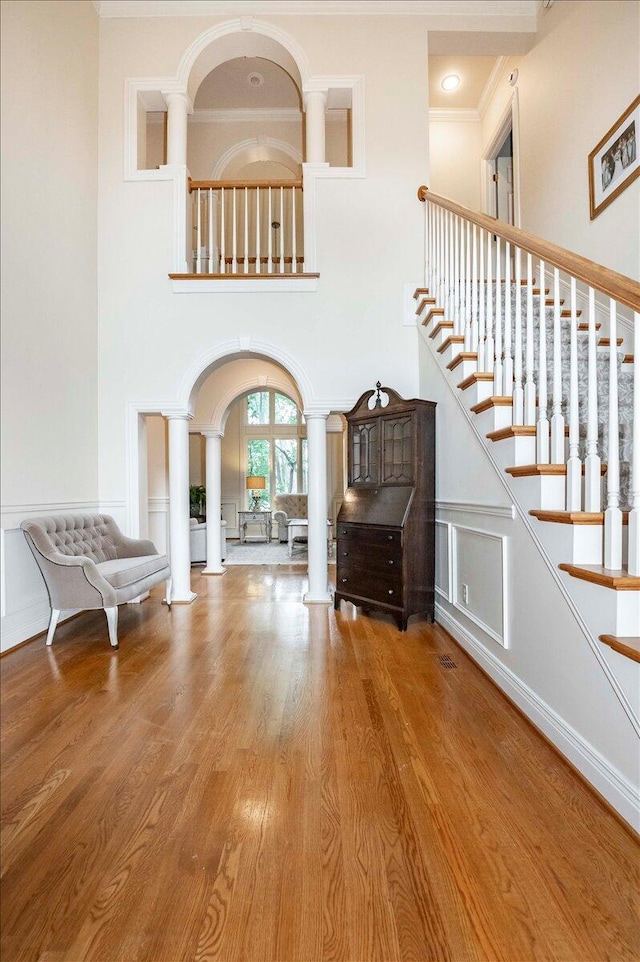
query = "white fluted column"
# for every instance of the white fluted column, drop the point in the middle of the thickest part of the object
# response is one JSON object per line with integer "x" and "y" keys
{"x": 318, "y": 592}
{"x": 315, "y": 102}
{"x": 177, "y": 113}
{"x": 214, "y": 502}
{"x": 180, "y": 554}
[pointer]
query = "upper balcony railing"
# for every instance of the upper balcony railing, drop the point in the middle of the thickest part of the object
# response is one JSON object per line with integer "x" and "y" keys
{"x": 247, "y": 228}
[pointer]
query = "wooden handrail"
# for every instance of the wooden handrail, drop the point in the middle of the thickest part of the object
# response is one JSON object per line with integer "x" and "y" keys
{"x": 241, "y": 184}
{"x": 623, "y": 289}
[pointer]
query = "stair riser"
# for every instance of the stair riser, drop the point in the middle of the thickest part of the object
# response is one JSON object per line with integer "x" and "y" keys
{"x": 513, "y": 451}
{"x": 440, "y": 337}
{"x": 451, "y": 351}
{"x": 477, "y": 392}
{"x": 461, "y": 371}
{"x": 546, "y": 492}
{"x": 576, "y": 543}
{"x": 494, "y": 419}
{"x": 604, "y": 610}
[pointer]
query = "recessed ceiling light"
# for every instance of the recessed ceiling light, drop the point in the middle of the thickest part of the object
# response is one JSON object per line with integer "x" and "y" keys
{"x": 452, "y": 82}
{"x": 255, "y": 79}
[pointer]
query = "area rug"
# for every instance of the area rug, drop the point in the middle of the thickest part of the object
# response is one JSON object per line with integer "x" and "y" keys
{"x": 259, "y": 553}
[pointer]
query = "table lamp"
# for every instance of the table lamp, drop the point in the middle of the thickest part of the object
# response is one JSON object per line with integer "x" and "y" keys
{"x": 256, "y": 484}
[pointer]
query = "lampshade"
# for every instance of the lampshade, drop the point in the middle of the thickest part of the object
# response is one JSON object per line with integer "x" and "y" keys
{"x": 256, "y": 483}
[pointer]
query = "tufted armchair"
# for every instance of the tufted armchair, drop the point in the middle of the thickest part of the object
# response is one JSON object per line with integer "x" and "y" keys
{"x": 288, "y": 506}
{"x": 87, "y": 562}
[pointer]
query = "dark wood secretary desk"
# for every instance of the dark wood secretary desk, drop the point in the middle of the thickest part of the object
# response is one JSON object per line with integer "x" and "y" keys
{"x": 386, "y": 526}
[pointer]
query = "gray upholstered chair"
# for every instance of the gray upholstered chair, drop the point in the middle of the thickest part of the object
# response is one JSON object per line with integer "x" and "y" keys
{"x": 87, "y": 562}
{"x": 288, "y": 506}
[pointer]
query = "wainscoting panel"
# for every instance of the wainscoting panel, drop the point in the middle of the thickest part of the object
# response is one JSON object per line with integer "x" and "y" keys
{"x": 479, "y": 586}
{"x": 443, "y": 560}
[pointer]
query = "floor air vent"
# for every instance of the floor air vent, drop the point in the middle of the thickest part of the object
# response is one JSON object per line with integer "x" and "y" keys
{"x": 447, "y": 661}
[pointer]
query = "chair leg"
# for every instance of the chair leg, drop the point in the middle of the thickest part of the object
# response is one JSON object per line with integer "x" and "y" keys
{"x": 167, "y": 596}
{"x": 53, "y": 621}
{"x": 112, "y": 621}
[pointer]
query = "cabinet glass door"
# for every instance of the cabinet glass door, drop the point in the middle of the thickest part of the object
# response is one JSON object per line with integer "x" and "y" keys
{"x": 364, "y": 453}
{"x": 397, "y": 450}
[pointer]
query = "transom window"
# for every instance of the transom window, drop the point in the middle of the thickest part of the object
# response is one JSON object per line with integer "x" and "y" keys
{"x": 276, "y": 445}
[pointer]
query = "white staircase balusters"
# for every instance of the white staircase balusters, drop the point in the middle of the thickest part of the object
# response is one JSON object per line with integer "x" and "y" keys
{"x": 456, "y": 275}
{"x": 198, "y": 233}
{"x": 451, "y": 310}
{"x": 633, "y": 563}
{"x": 482, "y": 299}
{"x": 212, "y": 231}
{"x": 281, "y": 231}
{"x": 613, "y": 514}
{"x": 223, "y": 262}
{"x": 270, "y": 235}
{"x": 467, "y": 291}
{"x": 429, "y": 247}
{"x": 489, "y": 345}
{"x": 557, "y": 418}
{"x": 592, "y": 494}
{"x": 542, "y": 424}
{"x": 294, "y": 258}
{"x": 574, "y": 464}
{"x": 258, "y": 230}
{"x": 507, "y": 373}
{"x": 474, "y": 292}
{"x": 518, "y": 390}
{"x": 497, "y": 370}
{"x": 234, "y": 235}
{"x": 529, "y": 384}
{"x": 246, "y": 231}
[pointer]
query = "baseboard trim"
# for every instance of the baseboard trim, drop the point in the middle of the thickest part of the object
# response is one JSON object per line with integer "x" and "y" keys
{"x": 605, "y": 780}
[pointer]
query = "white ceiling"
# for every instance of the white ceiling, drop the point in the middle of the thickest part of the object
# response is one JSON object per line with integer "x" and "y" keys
{"x": 525, "y": 10}
{"x": 228, "y": 86}
{"x": 474, "y": 73}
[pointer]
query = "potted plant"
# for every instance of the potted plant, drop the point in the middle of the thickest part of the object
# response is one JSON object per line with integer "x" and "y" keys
{"x": 197, "y": 501}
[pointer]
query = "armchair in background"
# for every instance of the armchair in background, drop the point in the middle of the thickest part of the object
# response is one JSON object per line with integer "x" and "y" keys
{"x": 288, "y": 506}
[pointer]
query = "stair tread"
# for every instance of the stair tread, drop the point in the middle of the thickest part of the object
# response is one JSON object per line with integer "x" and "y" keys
{"x": 491, "y": 402}
{"x": 533, "y": 470}
{"x": 574, "y": 517}
{"x": 433, "y": 312}
{"x": 618, "y": 579}
{"x": 513, "y": 431}
{"x": 441, "y": 326}
{"x": 628, "y": 645}
{"x": 474, "y": 378}
{"x": 627, "y": 359}
{"x": 462, "y": 356}
{"x": 419, "y": 291}
{"x": 453, "y": 339}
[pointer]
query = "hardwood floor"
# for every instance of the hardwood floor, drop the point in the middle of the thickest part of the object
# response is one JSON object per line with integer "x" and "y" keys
{"x": 247, "y": 778}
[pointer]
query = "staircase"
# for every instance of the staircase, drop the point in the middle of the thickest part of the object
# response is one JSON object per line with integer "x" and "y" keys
{"x": 539, "y": 344}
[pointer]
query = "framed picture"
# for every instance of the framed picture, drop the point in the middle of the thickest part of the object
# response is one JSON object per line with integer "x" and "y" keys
{"x": 615, "y": 162}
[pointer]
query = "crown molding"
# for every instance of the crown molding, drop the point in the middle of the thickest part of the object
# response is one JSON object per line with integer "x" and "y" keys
{"x": 526, "y": 10}
{"x": 455, "y": 115}
{"x": 491, "y": 85}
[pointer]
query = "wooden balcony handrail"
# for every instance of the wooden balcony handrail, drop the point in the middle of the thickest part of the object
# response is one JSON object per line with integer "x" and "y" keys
{"x": 241, "y": 184}
{"x": 621, "y": 288}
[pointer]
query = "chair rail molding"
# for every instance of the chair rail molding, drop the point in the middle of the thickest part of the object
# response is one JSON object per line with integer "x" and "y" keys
{"x": 477, "y": 507}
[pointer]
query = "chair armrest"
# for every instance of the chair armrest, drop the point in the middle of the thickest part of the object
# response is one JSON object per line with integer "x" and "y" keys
{"x": 280, "y": 517}
{"x": 134, "y": 547}
{"x": 73, "y": 581}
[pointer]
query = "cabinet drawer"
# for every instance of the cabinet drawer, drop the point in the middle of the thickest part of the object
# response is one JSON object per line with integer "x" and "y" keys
{"x": 377, "y": 586}
{"x": 370, "y": 536}
{"x": 385, "y": 557}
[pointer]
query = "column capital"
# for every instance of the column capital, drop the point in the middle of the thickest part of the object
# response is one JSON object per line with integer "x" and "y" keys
{"x": 176, "y": 414}
{"x": 175, "y": 97}
{"x": 316, "y": 411}
{"x": 315, "y": 95}
{"x": 211, "y": 433}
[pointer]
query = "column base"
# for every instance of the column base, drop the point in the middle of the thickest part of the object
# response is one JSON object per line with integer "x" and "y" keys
{"x": 317, "y": 599}
{"x": 214, "y": 571}
{"x": 182, "y": 601}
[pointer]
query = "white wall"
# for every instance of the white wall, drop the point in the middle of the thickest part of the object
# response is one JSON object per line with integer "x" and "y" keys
{"x": 580, "y": 76}
{"x": 49, "y": 282}
{"x": 454, "y": 160}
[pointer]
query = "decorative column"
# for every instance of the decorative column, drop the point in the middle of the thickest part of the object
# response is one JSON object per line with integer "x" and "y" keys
{"x": 214, "y": 499}
{"x": 180, "y": 553}
{"x": 315, "y": 102}
{"x": 177, "y": 113}
{"x": 318, "y": 592}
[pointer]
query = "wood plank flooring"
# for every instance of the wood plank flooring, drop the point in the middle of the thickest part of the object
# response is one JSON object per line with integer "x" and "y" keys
{"x": 249, "y": 779}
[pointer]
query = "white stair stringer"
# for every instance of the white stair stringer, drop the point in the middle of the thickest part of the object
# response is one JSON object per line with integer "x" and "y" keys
{"x": 526, "y": 494}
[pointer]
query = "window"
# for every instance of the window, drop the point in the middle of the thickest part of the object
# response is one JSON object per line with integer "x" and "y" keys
{"x": 276, "y": 446}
